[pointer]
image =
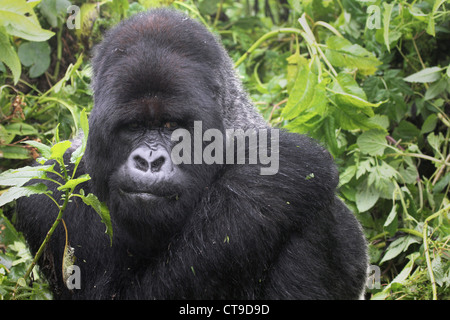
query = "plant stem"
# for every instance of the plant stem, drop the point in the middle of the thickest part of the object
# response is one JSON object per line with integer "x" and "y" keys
{"x": 46, "y": 240}
{"x": 427, "y": 254}
{"x": 264, "y": 38}
{"x": 58, "y": 50}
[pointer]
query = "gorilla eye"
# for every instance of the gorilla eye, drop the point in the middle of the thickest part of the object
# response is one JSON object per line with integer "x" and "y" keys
{"x": 133, "y": 126}
{"x": 171, "y": 125}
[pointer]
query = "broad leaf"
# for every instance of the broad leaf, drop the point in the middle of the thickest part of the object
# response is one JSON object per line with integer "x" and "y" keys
{"x": 18, "y": 177}
{"x": 366, "y": 197}
{"x": 21, "y": 129}
{"x": 342, "y": 53}
{"x": 15, "y": 193}
{"x": 19, "y": 19}
{"x": 36, "y": 56}
{"x": 426, "y": 75}
{"x": 101, "y": 209}
{"x": 59, "y": 149}
{"x": 301, "y": 94}
{"x": 372, "y": 142}
{"x": 14, "y": 152}
{"x": 43, "y": 149}
{"x": 71, "y": 184}
{"x": 398, "y": 246}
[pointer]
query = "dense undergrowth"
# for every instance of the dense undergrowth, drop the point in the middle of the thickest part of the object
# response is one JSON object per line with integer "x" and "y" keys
{"x": 369, "y": 79}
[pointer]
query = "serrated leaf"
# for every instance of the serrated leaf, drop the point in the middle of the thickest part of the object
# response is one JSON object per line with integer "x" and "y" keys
{"x": 372, "y": 142}
{"x": 15, "y": 193}
{"x": 58, "y": 150}
{"x": 301, "y": 94}
{"x": 343, "y": 53}
{"x": 426, "y": 75}
{"x": 350, "y": 118}
{"x": 71, "y": 184}
{"x": 101, "y": 209}
{"x": 43, "y": 149}
{"x": 18, "y": 177}
{"x": 19, "y": 19}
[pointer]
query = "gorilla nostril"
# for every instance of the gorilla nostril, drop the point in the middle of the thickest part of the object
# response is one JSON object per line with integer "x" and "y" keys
{"x": 140, "y": 163}
{"x": 157, "y": 164}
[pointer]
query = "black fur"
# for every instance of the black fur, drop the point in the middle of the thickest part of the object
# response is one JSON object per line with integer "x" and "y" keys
{"x": 231, "y": 232}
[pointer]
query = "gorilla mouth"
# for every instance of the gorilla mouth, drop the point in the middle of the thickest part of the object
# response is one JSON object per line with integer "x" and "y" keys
{"x": 147, "y": 195}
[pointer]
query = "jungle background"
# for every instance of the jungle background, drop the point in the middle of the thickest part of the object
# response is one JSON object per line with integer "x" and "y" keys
{"x": 369, "y": 79}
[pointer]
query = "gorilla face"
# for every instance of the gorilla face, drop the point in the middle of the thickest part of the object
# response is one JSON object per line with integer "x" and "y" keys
{"x": 141, "y": 97}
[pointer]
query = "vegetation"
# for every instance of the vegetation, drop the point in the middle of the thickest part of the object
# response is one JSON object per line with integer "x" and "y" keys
{"x": 369, "y": 79}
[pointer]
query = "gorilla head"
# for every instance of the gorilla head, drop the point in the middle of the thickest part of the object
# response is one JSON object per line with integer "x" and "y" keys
{"x": 153, "y": 74}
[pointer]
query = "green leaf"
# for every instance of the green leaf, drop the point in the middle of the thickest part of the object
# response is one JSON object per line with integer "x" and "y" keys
{"x": 72, "y": 183}
{"x": 6, "y": 137}
{"x": 398, "y": 246}
{"x": 14, "y": 152}
{"x": 391, "y": 222}
{"x": 58, "y": 150}
{"x": 18, "y": 192}
{"x": 78, "y": 154}
{"x": 435, "y": 141}
{"x": 426, "y": 75}
{"x": 54, "y": 9}
{"x": 342, "y": 53}
{"x": 18, "y": 177}
{"x": 347, "y": 175}
{"x": 301, "y": 94}
{"x": 45, "y": 151}
{"x": 366, "y": 197}
{"x": 436, "y": 89}
{"x": 429, "y": 124}
{"x": 430, "y": 26}
{"x": 372, "y": 142}
{"x": 19, "y": 19}
{"x": 35, "y": 55}
{"x": 101, "y": 209}
{"x": 406, "y": 131}
{"x": 349, "y": 118}
{"x": 21, "y": 129}
{"x": 386, "y": 23}
{"x": 9, "y": 56}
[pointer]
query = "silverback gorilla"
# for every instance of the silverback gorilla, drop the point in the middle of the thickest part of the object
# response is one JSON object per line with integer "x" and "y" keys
{"x": 193, "y": 231}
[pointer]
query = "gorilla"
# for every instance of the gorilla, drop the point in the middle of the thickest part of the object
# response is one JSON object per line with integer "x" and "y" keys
{"x": 198, "y": 230}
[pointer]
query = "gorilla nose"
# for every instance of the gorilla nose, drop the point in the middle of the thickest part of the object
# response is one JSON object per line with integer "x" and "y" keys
{"x": 148, "y": 160}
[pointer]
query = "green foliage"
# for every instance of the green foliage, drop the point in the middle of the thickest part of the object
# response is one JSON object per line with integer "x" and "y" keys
{"x": 17, "y": 178}
{"x": 375, "y": 91}
{"x": 369, "y": 79}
